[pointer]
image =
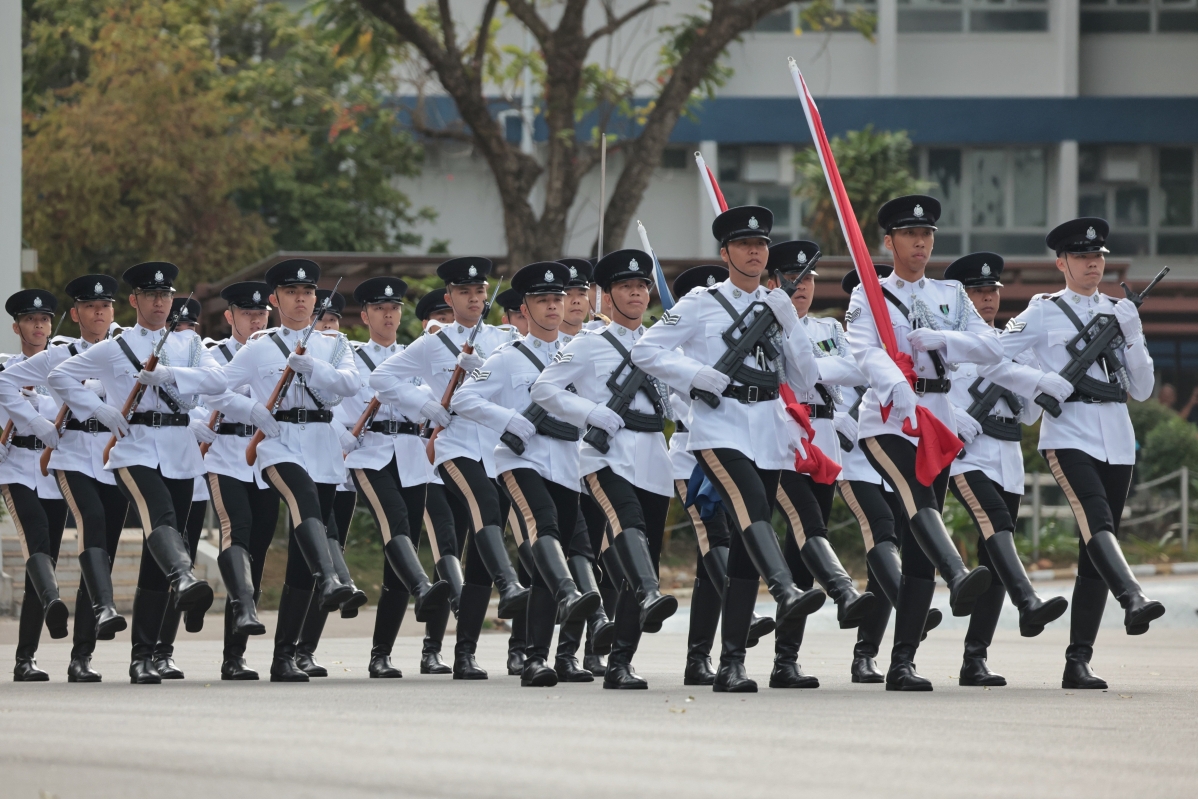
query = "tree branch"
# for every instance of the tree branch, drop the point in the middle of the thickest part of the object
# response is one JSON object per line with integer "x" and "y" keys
{"x": 527, "y": 14}
{"x": 484, "y": 36}
{"x": 614, "y": 23}
{"x": 448, "y": 31}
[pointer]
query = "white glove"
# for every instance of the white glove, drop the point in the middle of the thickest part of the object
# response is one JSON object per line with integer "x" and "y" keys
{"x": 469, "y": 361}
{"x": 923, "y": 339}
{"x": 203, "y": 433}
{"x": 1128, "y": 316}
{"x": 96, "y": 386}
{"x": 903, "y": 402}
{"x": 1055, "y": 386}
{"x": 349, "y": 442}
{"x": 29, "y": 394}
{"x": 784, "y": 310}
{"x": 111, "y": 418}
{"x": 301, "y": 363}
{"x": 605, "y": 419}
{"x": 967, "y": 427}
{"x": 845, "y": 425}
{"x": 433, "y": 411}
{"x": 44, "y": 429}
{"x": 261, "y": 418}
{"x": 521, "y": 427}
{"x": 708, "y": 379}
{"x": 161, "y": 374}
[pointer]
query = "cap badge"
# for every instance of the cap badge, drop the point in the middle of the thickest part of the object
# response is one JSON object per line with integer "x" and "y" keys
{"x": 1091, "y": 234}
{"x": 99, "y": 288}
{"x": 985, "y": 270}
{"x": 300, "y": 274}
{"x": 802, "y": 257}
{"x": 918, "y": 210}
{"x": 633, "y": 266}
{"x": 548, "y": 275}
{"x": 573, "y": 272}
{"x": 183, "y": 311}
{"x": 158, "y": 276}
{"x": 472, "y": 271}
{"x": 37, "y": 302}
{"x": 257, "y": 296}
{"x": 388, "y": 291}
{"x": 753, "y": 223}
{"x": 711, "y": 280}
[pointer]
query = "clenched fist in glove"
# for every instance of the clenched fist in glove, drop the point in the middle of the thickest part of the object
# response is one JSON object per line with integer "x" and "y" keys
{"x": 903, "y": 402}
{"x": 1055, "y": 386}
{"x": 301, "y": 363}
{"x": 469, "y": 361}
{"x": 111, "y": 418}
{"x": 924, "y": 340}
{"x": 846, "y": 425}
{"x": 1128, "y": 316}
{"x": 711, "y": 380}
{"x": 967, "y": 427}
{"x": 433, "y": 411}
{"x": 521, "y": 428}
{"x": 45, "y": 430}
{"x": 203, "y": 433}
{"x": 605, "y": 419}
{"x": 156, "y": 376}
{"x": 784, "y": 310}
{"x": 261, "y": 417}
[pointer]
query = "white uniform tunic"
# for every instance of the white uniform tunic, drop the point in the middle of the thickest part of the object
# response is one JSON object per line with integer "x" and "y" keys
{"x": 1101, "y": 430}
{"x": 682, "y": 462}
{"x": 938, "y": 305}
{"x": 587, "y": 363}
{"x": 430, "y": 360}
{"x": 498, "y": 390}
{"x": 377, "y": 449}
{"x": 696, "y": 325}
{"x": 227, "y": 454}
{"x": 258, "y": 366}
{"x": 172, "y": 450}
{"x": 77, "y": 451}
{"x": 837, "y": 370}
{"x": 853, "y": 464}
{"x": 23, "y": 466}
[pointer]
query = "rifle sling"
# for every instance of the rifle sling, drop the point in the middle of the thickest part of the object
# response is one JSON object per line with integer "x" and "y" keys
{"x": 637, "y": 380}
{"x": 1088, "y": 389}
{"x": 741, "y": 373}
{"x": 138, "y": 365}
{"x": 546, "y": 424}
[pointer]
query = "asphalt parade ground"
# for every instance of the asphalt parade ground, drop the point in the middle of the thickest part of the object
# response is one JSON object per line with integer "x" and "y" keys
{"x": 349, "y": 736}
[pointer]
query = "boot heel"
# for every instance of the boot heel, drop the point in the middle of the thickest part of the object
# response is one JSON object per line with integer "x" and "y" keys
{"x": 967, "y": 590}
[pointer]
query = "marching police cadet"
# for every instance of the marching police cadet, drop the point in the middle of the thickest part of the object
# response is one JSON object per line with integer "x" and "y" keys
{"x": 537, "y": 465}
{"x": 578, "y": 295}
{"x": 510, "y": 301}
{"x": 987, "y": 478}
{"x": 77, "y": 465}
{"x": 294, "y": 457}
{"x": 734, "y": 425}
{"x": 464, "y": 452}
{"x": 806, "y": 498}
{"x": 247, "y": 512}
{"x": 391, "y": 471}
{"x": 877, "y": 511}
{"x": 1090, "y": 445}
{"x": 936, "y": 325}
{"x": 156, "y": 457}
{"x": 432, "y": 309}
{"x": 38, "y": 516}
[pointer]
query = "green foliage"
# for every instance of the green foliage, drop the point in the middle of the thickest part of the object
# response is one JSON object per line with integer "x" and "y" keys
{"x": 679, "y": 38}
{"x": 875, "y": 167}
{"x": 822, "y": 15}
{"x": 1169, "y": 445}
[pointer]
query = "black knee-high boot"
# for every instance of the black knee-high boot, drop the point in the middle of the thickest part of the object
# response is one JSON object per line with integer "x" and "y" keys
{"x": 964, "y": 585}
{"x": 309, "y": 639}
{"x": 164, "y": 647}
{"x": 915, "y": 596}
{"x": 787, "y": 672}
{"x": 148, "y": 609}
{"x": 1138, "y": 610}
{"x": 740, "y": 597}
{"x": 1034, "y": 612}
{"x": 620, "y": 674}
{"x": 886, "y": 571}
{"x": 393, "y": 603}
{"x": 83, "y": 642}
{"x": 28, "y": 635}
{"x": 471, "y": 612}
{"x": 233, "y": 665}
{"x": 705, "y": 617}
{"x": 96, "y": 569}
{"x": 293, "y": 608}
{"x": 869, "y": 638}
{"x": 982, "y": 624}
{"x": 39, "y": 575}
{"x": 434, "y": 634}
{"x": 542, "y": 614}
{"x": 1089, "y": 601}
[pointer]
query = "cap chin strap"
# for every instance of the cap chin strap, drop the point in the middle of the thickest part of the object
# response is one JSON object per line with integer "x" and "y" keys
{"x": 530, "y": 317}
{"x": 732, "y": 262}
{"x": 454, "y": 308}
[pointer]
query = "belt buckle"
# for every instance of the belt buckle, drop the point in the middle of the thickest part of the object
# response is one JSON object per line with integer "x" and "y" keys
{"x": 248, "y": 430}
{"x": 155, "y": 419}
{"x": 38, "y": 444}
{"x": 301, "y": 416}
{"x": 921, "y": 386}
{"x": 751, "y": 395}
{"x": 948, "y": 384}
{"x": 392, "y": 427}
{"x": 92, "y": 425}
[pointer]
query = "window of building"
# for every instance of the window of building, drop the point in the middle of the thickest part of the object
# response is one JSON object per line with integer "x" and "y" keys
{"x": 1139, "y": 16}
{"x": 788, "y": 20}
{"x": 992, "y": 198}
{"x": 762, "y": 175}
{"x": 973, "y": 16}
{"x": 676, "y": 158}
{"x": 1147, "y": 194}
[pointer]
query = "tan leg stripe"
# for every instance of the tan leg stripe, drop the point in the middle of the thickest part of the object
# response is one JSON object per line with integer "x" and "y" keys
{"x": 982, "y": 518}
{"x": 850, "y": 498}
{"x": 65, "y": 488}
{"x": 513, "y": 521}
{"x": 143, "y": 510}
{"x": 432, "y": 537}
{"x": 222, "y": 514}
{"x": 1079, "y": 511}
{"x": 16, "y": 520}
{"x": 729, "y": 486}
{"x": 459, "y": 479}
{"x": 609, "y": 510}
{"x": 796, "y": 523}
{"x": 376, "y": 505}
{"x": 276, "y": 480}
{"x": 895, "y": 474}
{"x": 521, "y": 502}
{"x": 693, "y": 512}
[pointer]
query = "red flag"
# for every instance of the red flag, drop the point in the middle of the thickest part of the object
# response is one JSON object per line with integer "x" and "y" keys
{"x": 935, "y": 445}
{"x": 817, "y": 464}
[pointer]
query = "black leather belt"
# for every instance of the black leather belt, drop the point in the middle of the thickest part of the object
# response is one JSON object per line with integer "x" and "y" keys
{"x": 156, "y": 419}
{"x": 235, "y": 429}
{"x": 394, "y": 427}
{"x": 86, "y": 426}
{"x": 747, "y": 395}
{"x": 304, "y": 416}
{"x": 27, "y": 442}
{"x": 819, "y": 411}
{"x": 925, "y": 386}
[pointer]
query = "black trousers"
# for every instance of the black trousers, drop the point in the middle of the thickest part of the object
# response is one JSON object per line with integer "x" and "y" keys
{"x": 630, "y": 507}
{"x": 397, "y": 510}
{"x": 992, "y": 509}
{"x": 805, "y": 504}
{"x": 99, "y": 510}
{"x": 159, "y": 501}
{"x": 893, "y": 457}
{"x": 748, "y": 493}
{"x": 29, "y": 516}
{"x": 49, "y": 517}
{"x": 304, "y": 500}
{"x": 711, "y": 531}
{"x": 482, "y": 504}
{"x": 439, "y": 523}
{"x": 1096, "y": 491}
{"x": 874, "y": 509}
{"x": 547, "y": 509}
{"x": 248, "y": 516}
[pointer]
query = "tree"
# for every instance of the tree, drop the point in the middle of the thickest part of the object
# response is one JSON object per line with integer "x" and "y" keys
{"x": 875, "y": 167}
{"x": 466, "y": 64}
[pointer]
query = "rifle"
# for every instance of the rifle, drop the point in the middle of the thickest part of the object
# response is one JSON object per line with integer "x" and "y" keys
{"x": 622, "y": 395}
{"x": 845, "y": 444}
{"x": 533, "y": 413}
{"x": 459, "y": 374}
{"x": 139, "y": 389}
{"x": 1092, "y": 341}
{"x": 59, "y": 420}
{"x": 751, "y": 336}
{"x": 279, "y": 394}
